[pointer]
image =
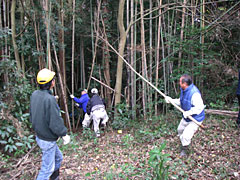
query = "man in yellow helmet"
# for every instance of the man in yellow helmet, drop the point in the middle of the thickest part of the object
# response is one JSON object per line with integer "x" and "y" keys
{"x": 48, "y": 125}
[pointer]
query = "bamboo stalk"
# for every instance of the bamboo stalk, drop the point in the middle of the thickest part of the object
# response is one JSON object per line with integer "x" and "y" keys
{"x": 62, "y": 87}
{"x": 73, "y": 44}
{"x": 94, "y": 48}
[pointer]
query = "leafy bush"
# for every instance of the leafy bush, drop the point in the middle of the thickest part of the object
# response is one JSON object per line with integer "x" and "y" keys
{"x": 123, "y": 117}
{"x": 15, "y": 97}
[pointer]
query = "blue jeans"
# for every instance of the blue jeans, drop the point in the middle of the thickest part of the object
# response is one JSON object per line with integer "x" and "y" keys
{"x": 51, "y": 158}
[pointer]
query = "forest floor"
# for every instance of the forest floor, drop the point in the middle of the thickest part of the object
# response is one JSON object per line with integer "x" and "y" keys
{"x": 215, "y": 153}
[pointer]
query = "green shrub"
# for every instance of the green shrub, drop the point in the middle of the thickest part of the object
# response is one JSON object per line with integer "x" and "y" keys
{"x": 158, "y": 162}
{"x": 122, "y": 118}
{"x": 15, "y": 99}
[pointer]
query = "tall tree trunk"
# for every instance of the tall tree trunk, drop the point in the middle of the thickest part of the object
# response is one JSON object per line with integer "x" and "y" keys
{"x": 106, "y": 54}
{"x": 61, "y": 54}
{"x": 1, "y": 27}
{"x": 202, "y": 40}
{"x": 73, "y": 44}
{"x": 121, "y": 47}
{"x": 62, "y": 90}
{"x": 47, "y": 14}
{"x": 37, "y": 37}
{"x": 128, "y": 89}
{"x": 94, "y": 27}
{"x": 133, "y": 55}
{"x": 144, "y": 62}
{"x": 157, "y": 55}
{"x": 45, "y": 6}
{"x": 22, "y": 43}
{"x": 13, "y": 27}
{"x": 150, "y": 55}
{"x": 83, "y": 77}
{"x": 182, "y": 33}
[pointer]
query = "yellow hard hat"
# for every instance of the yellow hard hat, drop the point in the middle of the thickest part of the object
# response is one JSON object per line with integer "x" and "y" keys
{"x": 44, "y": 76}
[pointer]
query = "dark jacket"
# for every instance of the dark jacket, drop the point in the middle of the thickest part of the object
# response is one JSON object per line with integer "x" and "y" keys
{"x": 238, "y": 88}
{"x": 45, "y": 116}
{"x": 82, "y": 101}
{"x": 94, "y": 101}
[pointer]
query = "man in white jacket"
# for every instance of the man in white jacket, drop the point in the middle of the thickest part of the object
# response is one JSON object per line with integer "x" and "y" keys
{"x": 191, "y": 102}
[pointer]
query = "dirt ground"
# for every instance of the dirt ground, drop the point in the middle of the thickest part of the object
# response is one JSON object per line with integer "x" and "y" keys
{"x": 215, "y": 154}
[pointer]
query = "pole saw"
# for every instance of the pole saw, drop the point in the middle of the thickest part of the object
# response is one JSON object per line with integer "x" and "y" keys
{"x": 149, "y": 83}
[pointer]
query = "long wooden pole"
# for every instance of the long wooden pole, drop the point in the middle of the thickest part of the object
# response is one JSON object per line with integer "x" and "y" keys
{"x": 105, "y": 85}
{"x": 154, "y": 87}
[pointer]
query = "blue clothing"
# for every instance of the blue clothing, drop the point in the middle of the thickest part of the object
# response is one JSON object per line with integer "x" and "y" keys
{"x": 185, "y": 100}
{"x": 51, "y": 158}
{"x": 238, "y": 88}
{"x": 82, "y": 101}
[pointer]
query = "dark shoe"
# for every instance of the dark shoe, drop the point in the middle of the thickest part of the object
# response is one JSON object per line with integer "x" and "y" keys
{"x": 184, "y": 151}
{"x": 55, "y": 175}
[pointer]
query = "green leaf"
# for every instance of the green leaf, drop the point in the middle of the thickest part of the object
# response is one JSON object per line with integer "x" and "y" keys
{"x": 3, "y": 142}
{"x": 19, "y": 144}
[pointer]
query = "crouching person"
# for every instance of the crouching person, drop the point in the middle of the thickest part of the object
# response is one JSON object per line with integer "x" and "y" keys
{"x": 82, "y": 103}
{"x": 97, "y": 112}
{"x": 48, "y": 125}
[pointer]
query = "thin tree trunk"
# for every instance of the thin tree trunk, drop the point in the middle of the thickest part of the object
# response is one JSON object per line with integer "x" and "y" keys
{"x": 133, "y": 75}
{"x": 94, "y": 48}
{"x": 128, "y": 89}
{"x": 83, "y": 83}
{"x": 61, "y": 54}
{"x": 73, "y": 44}
{"x": 41, "y": 62}
{"x": 157, "y": 55}
{"x": 62, "y": 89}
{"x": 106, "y": 54}
{"x": 1, "y": 27}
{"x": 150, "y": 56}
{"x": 144, "y": 61}
{"x": 164, "y": 63}
{"x": 202, "y": 40}
{"x": 22, "y": 43}
{"x": 5, "y": 25}
{"x": 47, "y": 14}
{"x": 182, "y": 33}
{"x": 13, "y": 27}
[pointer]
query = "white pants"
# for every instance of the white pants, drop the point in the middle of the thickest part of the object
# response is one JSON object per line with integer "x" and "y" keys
{"x": 186, "y": 130}
{"x": 87, "y": 120}
{"x": 96, "y": 116}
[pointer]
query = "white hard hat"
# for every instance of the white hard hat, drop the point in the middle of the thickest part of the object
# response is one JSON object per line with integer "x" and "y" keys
{"x": 94, "y": 91}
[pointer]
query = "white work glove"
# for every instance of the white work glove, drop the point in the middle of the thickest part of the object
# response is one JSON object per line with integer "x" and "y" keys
{"x": 72, "y": 96}
{"x": 76, "y": 104}
{"x": 187, "y": 113}
{"x": 168, "y": 99}
{"x": 66, "y": 139}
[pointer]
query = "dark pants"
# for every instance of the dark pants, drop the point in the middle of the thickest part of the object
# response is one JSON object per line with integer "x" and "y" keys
{"x": 238, "y": 119}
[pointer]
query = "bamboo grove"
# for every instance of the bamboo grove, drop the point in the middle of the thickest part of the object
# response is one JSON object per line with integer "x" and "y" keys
{"x": 84, "y": 42}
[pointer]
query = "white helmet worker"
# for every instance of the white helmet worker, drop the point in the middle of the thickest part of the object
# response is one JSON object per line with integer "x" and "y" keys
{"x": 94, "y": 91}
